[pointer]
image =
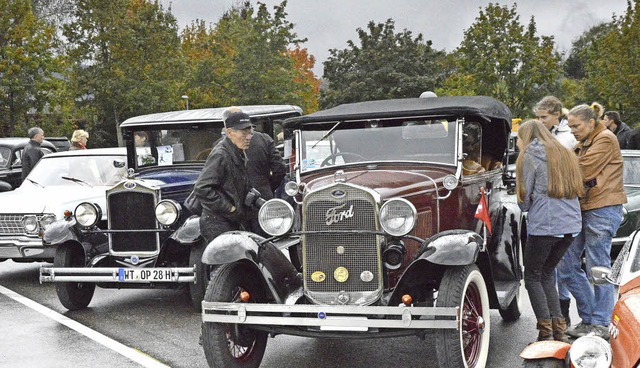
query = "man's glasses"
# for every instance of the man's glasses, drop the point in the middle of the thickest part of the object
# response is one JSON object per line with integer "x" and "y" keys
{"x": 246, "y": 131}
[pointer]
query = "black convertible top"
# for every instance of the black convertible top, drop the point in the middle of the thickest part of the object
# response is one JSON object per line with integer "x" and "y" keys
{"x": 483, "y": 107}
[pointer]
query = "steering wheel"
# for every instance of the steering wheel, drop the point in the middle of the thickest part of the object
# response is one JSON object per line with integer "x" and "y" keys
{"x": 335, "y": 155}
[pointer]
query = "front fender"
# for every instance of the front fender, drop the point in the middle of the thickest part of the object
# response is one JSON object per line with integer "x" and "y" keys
{"x": 279, "y": 274}
{"x": 452, "y": 248}
{"x": 546, "y": 349}
{"x": 189, "y": 232}
{"x": 60, "y": 232}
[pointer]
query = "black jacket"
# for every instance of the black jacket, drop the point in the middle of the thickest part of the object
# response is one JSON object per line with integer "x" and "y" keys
{"x": 265, "y": 168}
{"x": 223, "y": 182}
{"x": 623, "y": 133}
{"x": 30, "y": 157}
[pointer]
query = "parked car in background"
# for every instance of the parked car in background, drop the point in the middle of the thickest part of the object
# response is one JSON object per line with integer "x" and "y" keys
{"x": 631, "y": 209}
{"x": 11, "y": 160}
{"x": 61, "y": 143}
{"x": 55, "y": 186}
{"x": 622, "y": 350}
{"x": 150, "y": 240}
{"x": 381, "y": 236}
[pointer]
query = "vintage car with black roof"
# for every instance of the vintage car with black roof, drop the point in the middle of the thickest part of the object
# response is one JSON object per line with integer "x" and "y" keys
{"x": 11, "y": 160}
{"x": 380, "y": 236}
{"x": 150, "y": 240}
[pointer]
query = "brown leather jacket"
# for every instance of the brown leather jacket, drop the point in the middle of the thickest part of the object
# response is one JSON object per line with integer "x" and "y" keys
{"x": 600, "y": 159}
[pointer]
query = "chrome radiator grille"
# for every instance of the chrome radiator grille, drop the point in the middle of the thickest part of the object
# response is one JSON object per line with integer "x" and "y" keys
{"x": 12, "y": 224}
{"x": 132, "y": 210}
{"x": 344, "y": 209}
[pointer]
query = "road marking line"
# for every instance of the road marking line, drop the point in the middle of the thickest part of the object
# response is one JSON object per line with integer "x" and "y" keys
{"x": 133, "y": 354}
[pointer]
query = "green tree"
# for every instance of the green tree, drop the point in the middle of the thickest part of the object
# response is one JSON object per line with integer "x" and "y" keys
{"x": 611, "y": 66}
{"x": 501, "y": 58}
{"x": 249, "y": 57}
{"x": 27, "y": 64}
{"x": 125, "y": 61}
{"x": 384, "y": 65}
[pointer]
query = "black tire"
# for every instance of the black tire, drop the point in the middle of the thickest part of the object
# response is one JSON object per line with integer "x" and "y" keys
{"x": 233, "y": 345}
{"x": 468, "y": 346}
{"x": 544, "y": 363}
{"x": 198, "y": 289}
{"x": 73, "y": 295}
{"x": 514, "y": 310}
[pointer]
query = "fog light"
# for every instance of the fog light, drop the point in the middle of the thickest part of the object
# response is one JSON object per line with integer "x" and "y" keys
{"x": 393, "y": 256}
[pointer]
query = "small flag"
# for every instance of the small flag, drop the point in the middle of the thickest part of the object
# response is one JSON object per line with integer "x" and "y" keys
{"x": 482, "y": 212}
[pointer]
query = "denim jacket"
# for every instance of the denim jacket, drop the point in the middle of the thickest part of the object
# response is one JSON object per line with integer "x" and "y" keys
{"x": 547, "y": 216}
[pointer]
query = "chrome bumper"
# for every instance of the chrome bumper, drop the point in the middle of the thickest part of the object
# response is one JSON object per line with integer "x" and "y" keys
{"x": 332, "y": 318}
{"x": 24, "y": 247}
{"x": 111, "y": 274}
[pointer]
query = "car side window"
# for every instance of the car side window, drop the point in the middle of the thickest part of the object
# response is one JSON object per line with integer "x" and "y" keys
{"x": 472, "y": 149}
{"x": 17, "y": 161}
{"x": 4, "y": 157}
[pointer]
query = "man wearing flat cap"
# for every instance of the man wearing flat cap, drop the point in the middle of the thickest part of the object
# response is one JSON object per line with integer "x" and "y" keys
{"x": 223, "y": 184}
{"x": 32, "y": 152}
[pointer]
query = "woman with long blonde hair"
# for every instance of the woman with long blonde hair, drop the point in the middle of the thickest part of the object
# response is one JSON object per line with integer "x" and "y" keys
{"x": 548, "y": 183}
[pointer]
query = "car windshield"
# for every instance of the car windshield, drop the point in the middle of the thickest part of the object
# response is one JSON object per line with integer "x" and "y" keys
{"x": 342, "y": 143}
{"x": 168, "y": 147}
{"x": 79, "y": 170}
{"x": 632, "y": 172}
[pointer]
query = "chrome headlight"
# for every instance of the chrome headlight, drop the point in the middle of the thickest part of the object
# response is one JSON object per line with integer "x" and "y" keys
{"x": 590, "y": 351}
{"x": 398, "y": 217}
{"x": 450, "y": 182}
{"x": 276, "y": 217}
{"x": 30, "y": 223}
{"x": 168, "y": 212}
{"x": 88, "y": 214}
{"x": 291, "y": 188}
{"x": 47, "y": 220}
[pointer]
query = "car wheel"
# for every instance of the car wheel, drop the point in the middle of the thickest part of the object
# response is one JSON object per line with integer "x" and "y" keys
{"x": 514, "y": 310}
{"x": 72, "y": 295}
{"x": 233, "y": 345}
{"x": 543, "y": 363}
{"x": 468, "y": 345}
{"x": 197, "y": 289}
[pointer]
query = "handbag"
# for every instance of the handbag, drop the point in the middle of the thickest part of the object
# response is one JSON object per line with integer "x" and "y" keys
{"x": 193, "y": 204}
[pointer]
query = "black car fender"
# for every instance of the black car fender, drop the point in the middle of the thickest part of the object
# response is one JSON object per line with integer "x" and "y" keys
{"x": 452, "y": 248}
{"x": 61, "y": 231}
{"x": 279, "y": 275}
{"x": 189, "y": 232}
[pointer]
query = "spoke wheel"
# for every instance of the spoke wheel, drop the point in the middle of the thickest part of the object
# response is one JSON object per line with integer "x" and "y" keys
{"x": 72, "y": 295}
{"x": 227, "y": 344}
{"x": 468, "y": 346}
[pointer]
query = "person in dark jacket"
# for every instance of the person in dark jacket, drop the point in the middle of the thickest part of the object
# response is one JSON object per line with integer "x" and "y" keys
{"x": 548, "y": 183}
{"x": 32, "y": 152}
{"x": 223, "y": 184}
{"x": 623, "y": 132}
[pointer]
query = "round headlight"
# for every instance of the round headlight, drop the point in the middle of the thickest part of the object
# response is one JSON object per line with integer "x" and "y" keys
{"x": 398, "y": 217}
{"x": 276, "y": 217}
{"x": 590, "y": 351}
{"x": 168, "y": 212}
{"x": 30, "y": 223}
{"x": 47, "y": 220}
{"x": 291, "y": 188}
{"x": 450, "y": 182}
{"x": 88, "y": 214}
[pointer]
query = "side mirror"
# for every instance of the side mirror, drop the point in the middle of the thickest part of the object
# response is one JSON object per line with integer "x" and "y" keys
{"x": 601, "y": 275}
{"x": 118, "y": 164}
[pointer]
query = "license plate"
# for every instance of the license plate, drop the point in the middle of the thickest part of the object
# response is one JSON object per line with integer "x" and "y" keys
{"x": 338, "y": 327}
{"x": 143, "y": 274}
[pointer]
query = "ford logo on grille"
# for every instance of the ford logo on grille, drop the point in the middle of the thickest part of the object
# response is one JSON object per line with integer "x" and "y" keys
{"x": 129, "y": 185}
{"x": 338, "y": 193}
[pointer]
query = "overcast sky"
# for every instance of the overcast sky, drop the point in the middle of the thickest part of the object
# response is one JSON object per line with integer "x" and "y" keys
{"x": 328, "y": 24}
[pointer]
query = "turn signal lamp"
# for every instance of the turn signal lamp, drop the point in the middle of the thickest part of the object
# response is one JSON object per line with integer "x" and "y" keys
{"x": 407, "y": 299}
{"x": 245, "y": 296}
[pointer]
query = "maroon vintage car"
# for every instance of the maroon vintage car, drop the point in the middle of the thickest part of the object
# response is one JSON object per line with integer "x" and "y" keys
{"x": 398, "y": 223}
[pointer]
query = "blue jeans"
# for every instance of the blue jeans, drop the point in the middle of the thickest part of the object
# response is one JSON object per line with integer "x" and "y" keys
{"x": 595, "y": 306}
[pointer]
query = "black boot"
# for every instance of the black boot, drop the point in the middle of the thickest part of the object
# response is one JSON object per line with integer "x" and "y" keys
{"x": 564, "y": 308}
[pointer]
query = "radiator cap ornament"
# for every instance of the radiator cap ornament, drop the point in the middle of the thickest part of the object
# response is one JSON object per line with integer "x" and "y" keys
{"x": 341, "y": 274}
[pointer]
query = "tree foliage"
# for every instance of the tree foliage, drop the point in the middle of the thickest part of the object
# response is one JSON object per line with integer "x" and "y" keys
{"x": 501, "y": 58}
{"x": 384, "y": 64}
{"x": 249, "y": 57}
{"x": 27, "y": 66}
{"x": 126, "y": 61}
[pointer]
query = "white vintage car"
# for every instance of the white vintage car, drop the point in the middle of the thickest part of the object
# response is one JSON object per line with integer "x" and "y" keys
{"x": 58, "y": 183}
